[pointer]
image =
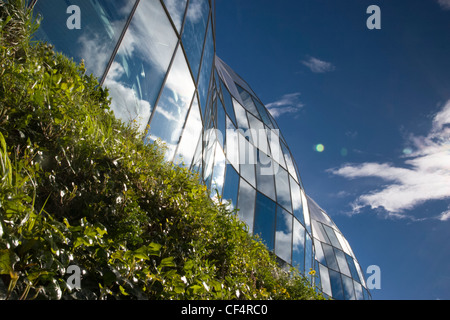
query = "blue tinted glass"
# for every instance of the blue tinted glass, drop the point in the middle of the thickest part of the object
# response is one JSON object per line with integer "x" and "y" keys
{"x": 347, "y": 284}
{"x": 297, "y": 206}
{"x": 283, "y": 235}
{"x": 265, "y": 220}
{"x": 264, "y": 175}
{"x": 205, "y": 74}
{"x": 140, "y": 65}
{"x": 283, "y": 190}
{"x": 194, "y": 32}
{"x": 263, "y": 112}
{"x": 298, "y": 243}
{"x": 170, "y": 114}
{"x": 330, "y": 257}
{"x": 230, "y": 189}
{"x": 228, "y": 102}
{"x": 101, "y": 24}
{"x": 246, "y": 204}
{"x": 248, "y": 101}
{"x": 308, "y": 253}
{"x": 221, "y": 120}
{"x": 352, "y": 267}
{"x": 176, "y": 10}
{"x": 336, "y": 285}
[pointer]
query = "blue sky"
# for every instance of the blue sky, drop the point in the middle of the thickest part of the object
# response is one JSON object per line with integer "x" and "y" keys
{"x": 379, "y": 103}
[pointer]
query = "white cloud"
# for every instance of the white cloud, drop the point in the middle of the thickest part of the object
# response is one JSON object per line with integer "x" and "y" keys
{"x": 445, "y": 4}
{"x": 425, "y": 176}
{"x": 288, "y": 104}
{"x": 318, "y": 66}
{"x": 444, "y": 216}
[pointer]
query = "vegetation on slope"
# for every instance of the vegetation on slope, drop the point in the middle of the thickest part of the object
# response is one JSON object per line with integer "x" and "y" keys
{"x": 80, "y": 188}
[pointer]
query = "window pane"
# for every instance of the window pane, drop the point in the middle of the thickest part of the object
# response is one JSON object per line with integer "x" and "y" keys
{"x": 191, "y": 135}
{"x": 352, "y": 267}
{"x": 241, "y": 117}
{"x": 264, "y": 175}
{"x": 194, "y": 32}
{"x": 218, "y": 172}
{"x": 258, "y": 132}
{"x": 349, "y": 292}
{"x": 283, "y": 190}
{"x": 205, "y": 74}
{"x": 170, "y": 114}
{"x": 332, "y": 236}
{"x": 101, "y": 26}
{"x": 246, "y": 204}
{"x": 248, "y": 101}
{"x": 228, "y": 102}
{"x": 308, "y": 253}
{"x": 325, "y": 280}
{"x": 265, "y": 220}
{"x": 232, "y": 144}
{"x": 342, "y": 262}
{"x": 297, "y": 207}
{"x": 298, "y": 244}
{"x": 141, "y": 63}
{"x": 320, "y": 256}
{"x": 176, "y": 10}
{"x": 230, "y": 189}
{"x": 330, "y": 257}
{"x": 247, "y": 160}
{"x": 358, "y": 291}
{"x": 283, "y": 235}
{"x": 336, "y": 285}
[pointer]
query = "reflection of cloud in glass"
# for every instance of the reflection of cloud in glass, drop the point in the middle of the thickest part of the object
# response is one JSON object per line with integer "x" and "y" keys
{"x": 125, "y": 104}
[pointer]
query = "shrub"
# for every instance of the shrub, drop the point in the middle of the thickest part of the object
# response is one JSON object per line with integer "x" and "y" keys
{"x": 80, "y": 188}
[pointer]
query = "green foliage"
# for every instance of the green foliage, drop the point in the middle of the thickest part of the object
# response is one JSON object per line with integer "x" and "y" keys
{"x": 79, "y": 187}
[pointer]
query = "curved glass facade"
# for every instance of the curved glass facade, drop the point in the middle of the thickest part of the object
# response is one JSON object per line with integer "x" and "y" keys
{"x": 157, "y": 57}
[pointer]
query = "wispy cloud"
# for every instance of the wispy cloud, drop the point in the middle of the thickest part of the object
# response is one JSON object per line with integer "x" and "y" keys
{"x": 288, "y": 104}
{"x": 318, "y": 66}
{"x": 445, "y": 4}
{"x": 424, "y": 177}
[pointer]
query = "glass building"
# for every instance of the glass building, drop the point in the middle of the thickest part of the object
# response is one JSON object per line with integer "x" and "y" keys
{"x": 158, "y": 59}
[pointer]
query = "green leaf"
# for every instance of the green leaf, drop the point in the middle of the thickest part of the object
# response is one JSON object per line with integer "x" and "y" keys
{"x": 167, "y": 262}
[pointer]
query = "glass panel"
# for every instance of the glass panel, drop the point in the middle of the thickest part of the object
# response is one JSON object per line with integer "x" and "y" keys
{"x": 191, "y": 135}
{"x": 218, "y": 172}
{"x": 101, "y": 25}
{"x": 332, "y": 236}
{"x": 205, "y": 74}
{"x": 228, "y": 102}
{"x": 258, "y": 132}
{"x": 209, "y": 138}
{"x": 298, "y": 244}
{"x": 306, "y": 211}
{"x": 308, "y": 253}
{"x": 289, "y": 161}
{"x": 283, "y": 235}
{"x": 141, "y": 63}
{"x": 349, "y": 292}
{"x": 248, "y": 101}
{"x": 342, "y": 262}
{"x": 176, "y": 10}
{"x": 246, "y": 204}
{"x": 232, "y": 144}
{"x": 230, "y": 189}
{"x": 336, "y": 285}
{"x": 330, "y": 257}
{"x": 247, "y": 160}
{"x": 194, "y": 32}
{"x": 275, "y": 147}
{"x": 319, "y": 252}
{"x": 325, "y": 280}
{"x": 318, "y": 232}
{"x": 265, "y": 181}
{"x": 296, "y": 200}
{"x": 221, "y": 121}
{"x": 352, "y": 267}
{"x": 283, "y": 190}
{"x": 170, "y": 114}
{"x": 343, "y": 243}
{"x": 241, "y": 117}
{"x": 358, "y": 291}
{"x": 263, "y": 112}
{"x": 265, "y": 220}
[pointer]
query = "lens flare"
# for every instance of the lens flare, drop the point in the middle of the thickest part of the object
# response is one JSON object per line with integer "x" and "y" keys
{"x": 319, "y": 147}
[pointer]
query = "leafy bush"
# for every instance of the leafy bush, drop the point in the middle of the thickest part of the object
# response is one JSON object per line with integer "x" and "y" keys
{"x": 80, "y": 188}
